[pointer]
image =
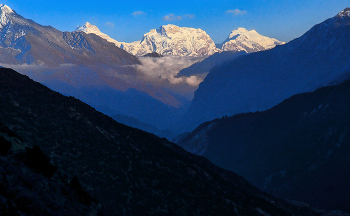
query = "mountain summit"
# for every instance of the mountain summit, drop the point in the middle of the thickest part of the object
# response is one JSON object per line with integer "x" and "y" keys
{"x": 345, "y": 13}
{"x": 248, "y": 41}
{"x": 261, "y": 80}
{"x": 92, "y": 29}
{"x": 173, "y": 40}
{"x": 5, "y": 9}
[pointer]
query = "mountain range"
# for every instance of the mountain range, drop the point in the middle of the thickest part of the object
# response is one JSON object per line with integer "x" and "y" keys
{"x": 298, "y": 150}
{"x": 85, "y": 66}
{"x": 89, "y": 65}
{"x": 172, "y": 40}
{"x": 260, "y": 80}
{"x": 56, "y": 149}
{"x": 128, "y": 171}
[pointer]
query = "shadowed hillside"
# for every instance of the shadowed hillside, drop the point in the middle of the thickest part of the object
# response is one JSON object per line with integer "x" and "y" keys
{"x": 129, "y": 171}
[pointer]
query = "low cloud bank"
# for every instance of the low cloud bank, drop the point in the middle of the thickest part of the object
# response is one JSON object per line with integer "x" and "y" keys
{"x": 164, "y": 70}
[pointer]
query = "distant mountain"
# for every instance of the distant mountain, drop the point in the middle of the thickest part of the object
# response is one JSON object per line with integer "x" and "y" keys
{"x": 203, "y": 67}
{"x": 298, "y": 150}
{"x": 133, "y": 122}
{"x": 24, "y": 41}
{"x": 173, "y": 40}
{"x": 263, "y": 79}
{"x": 239, "y": 42}
{"x": 153, "y": 54}
{"x": 92, "y": 29}
{"x": 83, "y": 65}
{"x": 166, "y": 40}
{"x": 248, "y": 41}
{"x": 129, "y": 171}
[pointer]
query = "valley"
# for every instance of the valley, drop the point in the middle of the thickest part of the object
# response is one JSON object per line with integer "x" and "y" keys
{"x": 173, "y": 123}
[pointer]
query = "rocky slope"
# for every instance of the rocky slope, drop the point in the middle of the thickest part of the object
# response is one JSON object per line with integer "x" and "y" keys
{"x": 298, "y": 150}
{"x": 261, "y": 80}
{"x": 129, "y": 171}
{"x": 85, "y": 66}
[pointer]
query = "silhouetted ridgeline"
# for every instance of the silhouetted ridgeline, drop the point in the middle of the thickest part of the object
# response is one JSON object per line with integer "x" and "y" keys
{"x": 298, "y": 150}
{"x": 130, "y": 172}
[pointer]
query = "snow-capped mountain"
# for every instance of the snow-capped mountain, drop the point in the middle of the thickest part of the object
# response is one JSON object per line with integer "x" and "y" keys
{"x": 92, "y": 29}
{"x": 248, "y": 41}
{"x": 85, "y": 66}
{"x": 168, "y": 40}
{"x": 173, "y": 40}
{"x": 260, "y": 80}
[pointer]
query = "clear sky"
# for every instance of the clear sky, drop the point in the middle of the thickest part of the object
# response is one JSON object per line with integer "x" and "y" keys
{"x": 128, "y": 20}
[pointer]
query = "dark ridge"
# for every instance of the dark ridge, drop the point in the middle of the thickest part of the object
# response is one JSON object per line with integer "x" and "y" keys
{"x": 297, "y": 150}
{"x": 130, "y": 172}
{"x": 154, "y": 55}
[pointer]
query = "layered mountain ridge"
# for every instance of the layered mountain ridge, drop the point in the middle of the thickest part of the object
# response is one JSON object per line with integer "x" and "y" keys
{"x": 130, "y": 172}
{"x": 260, "y": 80}
{"x": 85, "y": 66}
{"x": 297, "y": 150}
{"x": 172, "y": 40}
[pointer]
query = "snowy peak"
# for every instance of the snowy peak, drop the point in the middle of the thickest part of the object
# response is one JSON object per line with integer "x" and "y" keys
{"x": 88, "y": 28}
{"x": 239, "y": 31}
{"x": 4, "y": 9}
{"x": 344, "y": 13}
{"x": 92, "y": 29}
{"x": 173, "y": 40}
{"x": 248, "y": 41}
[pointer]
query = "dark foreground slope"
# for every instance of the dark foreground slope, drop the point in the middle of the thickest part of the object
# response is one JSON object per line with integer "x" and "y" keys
{"x": 297, "y": 150}
{"x": 129, "y": 171}
{"x": 31, "y": 185}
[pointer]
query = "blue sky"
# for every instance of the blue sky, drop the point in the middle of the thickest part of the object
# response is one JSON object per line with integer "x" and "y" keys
{"x": 128, "y": 20}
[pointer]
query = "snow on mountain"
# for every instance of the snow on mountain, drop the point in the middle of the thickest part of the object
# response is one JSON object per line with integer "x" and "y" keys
{"x": 249, "y": 41}
{"x": 5, "y": 11}
{"x": 92, "y": 29}
{"x": 168, "y": 40}
{"x": 345, "y": 13}
{"x": 173, "y": 40}
{"x": 260, "y": 80}
{"x": 13, "y": 28}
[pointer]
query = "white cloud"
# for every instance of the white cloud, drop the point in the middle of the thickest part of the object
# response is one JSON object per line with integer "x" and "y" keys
{"x": 138, "y": 13}
{"x": 171, "y": 17}
{"x": 109, "y": 24}
{"x": 163, "y": 70}
{"x": 236, "y": 12}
